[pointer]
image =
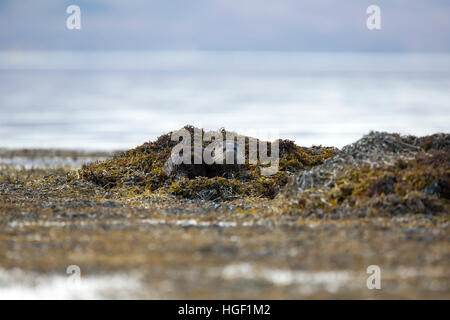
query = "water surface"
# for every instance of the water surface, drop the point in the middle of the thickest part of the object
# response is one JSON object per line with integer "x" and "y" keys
{"x": 117, "y": 100}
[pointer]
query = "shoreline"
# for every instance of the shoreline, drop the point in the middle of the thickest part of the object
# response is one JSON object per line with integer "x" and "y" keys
{"x": 171, "y": 247}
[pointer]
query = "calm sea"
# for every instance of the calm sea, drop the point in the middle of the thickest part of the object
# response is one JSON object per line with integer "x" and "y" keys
{"x": 118, "y": 100}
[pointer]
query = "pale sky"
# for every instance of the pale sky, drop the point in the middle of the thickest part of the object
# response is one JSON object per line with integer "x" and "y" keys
{"x": 276, "y": 25}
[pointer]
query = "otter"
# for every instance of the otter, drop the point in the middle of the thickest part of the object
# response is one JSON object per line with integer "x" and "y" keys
{"x": 216, "y": 164}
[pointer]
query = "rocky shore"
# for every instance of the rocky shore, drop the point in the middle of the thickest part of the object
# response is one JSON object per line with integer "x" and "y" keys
{"x": 308, "y": 231}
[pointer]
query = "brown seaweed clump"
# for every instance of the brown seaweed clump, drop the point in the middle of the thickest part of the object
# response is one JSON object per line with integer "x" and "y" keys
{"x": 148, "y": 168}
{"x": 379, "y": 174}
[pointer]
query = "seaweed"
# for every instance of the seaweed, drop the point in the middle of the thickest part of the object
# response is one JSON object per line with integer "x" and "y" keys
{"x": 145, "y": 169}
{"x": 378, "y": 175}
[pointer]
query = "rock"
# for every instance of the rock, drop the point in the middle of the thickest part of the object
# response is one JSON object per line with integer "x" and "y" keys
{"x": 373, "y": 149}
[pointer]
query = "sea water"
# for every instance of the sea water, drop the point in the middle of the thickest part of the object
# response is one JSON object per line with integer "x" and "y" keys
{"x": 118, "y": 100}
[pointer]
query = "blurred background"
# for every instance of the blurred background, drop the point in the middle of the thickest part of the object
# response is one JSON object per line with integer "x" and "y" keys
{"x": 310, "y": 70}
